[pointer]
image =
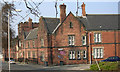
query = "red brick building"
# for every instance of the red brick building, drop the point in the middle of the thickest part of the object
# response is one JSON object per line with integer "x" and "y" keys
{"x": 70, "y": 39}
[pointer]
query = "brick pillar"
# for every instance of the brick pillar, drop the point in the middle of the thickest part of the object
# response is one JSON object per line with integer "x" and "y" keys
{"x": 62, "y": 12}
{"x": 83, "y": 9}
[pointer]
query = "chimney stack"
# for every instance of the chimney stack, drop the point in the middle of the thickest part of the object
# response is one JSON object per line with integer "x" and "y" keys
{"x": 30, "y": 23}
{"x": 83, "y": 9}
{"x": 62, "y": 12}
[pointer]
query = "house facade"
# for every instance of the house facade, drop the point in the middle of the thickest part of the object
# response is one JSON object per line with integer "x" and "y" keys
{"x": 70, "y": 39}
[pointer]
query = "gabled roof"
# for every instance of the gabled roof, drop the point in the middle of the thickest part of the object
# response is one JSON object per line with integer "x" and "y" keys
{"x": 51, "y": 23}
{"x": 32, "y": 34}
{"x": 91, "y": 22}
{"x": 101, "y": 22}
{"x": 25, "y": 34}
{"x": 61, "y": 23}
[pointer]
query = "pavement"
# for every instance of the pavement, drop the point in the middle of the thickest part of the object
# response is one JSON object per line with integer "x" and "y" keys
{"x": 22, "y": 66}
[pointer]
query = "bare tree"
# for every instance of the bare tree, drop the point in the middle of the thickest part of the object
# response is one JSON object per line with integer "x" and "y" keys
{"x": 33, "y": 10}
{"x": 7, "y": 7}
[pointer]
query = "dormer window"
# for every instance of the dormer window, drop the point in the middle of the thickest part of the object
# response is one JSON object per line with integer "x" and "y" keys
{"x": 71, "y": 25}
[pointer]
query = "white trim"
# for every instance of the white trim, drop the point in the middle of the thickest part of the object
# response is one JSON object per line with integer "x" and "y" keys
{"x": 56, "y": 28}
{"x": 98, "y": 47}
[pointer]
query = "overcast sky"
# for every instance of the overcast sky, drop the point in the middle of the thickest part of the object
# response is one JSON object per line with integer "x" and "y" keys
{"x": 47, "y": 8}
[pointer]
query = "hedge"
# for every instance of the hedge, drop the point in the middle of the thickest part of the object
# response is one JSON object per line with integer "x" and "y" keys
{"x": 106, "y": 66}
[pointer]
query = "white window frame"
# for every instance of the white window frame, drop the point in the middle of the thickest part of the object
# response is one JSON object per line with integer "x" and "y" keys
{"x": 97, "y": 37}
{"x": 43, "y": 57}
{"x": 98, "y": 52}
{"x": 84, "y": 54}
{"x": 78, "y": 54}
{"x": 84, "y": 40}
{"x": 71, "y": 55}
{"x": 71, "y": 39}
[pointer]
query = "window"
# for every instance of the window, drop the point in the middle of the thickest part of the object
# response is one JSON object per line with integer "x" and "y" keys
{"x": 97, "y": 37}
{"x": 23, "y": 54}
{"x": 42, "y": 58}
{"x": 78, "y": 55}
{"x": 72, "y": 55}
{"x": 29, "y": 54}
{"x": 71, "y": 39}
{"x": 42, "y": 42}
{"x": 83, "y": 40}
{"x": 24, "y": 44}
{"x": 71, "y": 25}
{"x": 28, "y": 44}
{"x": 33, "y": 54}
{"x": 33, "y": 43}
{"x": 84, "y": 54}
{"x": 98, "y": 52}
{"x": 19, "y": 43}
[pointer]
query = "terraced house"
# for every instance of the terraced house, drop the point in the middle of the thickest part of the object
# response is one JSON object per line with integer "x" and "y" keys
{"x": 70, "y": 39}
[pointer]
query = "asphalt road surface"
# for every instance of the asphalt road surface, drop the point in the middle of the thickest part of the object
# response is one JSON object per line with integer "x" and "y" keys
{"x": 19, "y": 67}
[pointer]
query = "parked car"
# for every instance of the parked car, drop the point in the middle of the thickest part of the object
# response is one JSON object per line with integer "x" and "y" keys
{"x": 12, "y": 61}
{"x": 111, "y": 59}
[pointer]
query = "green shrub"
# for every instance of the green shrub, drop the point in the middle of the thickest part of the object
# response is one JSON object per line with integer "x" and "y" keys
{"x": 94, "y": 67}
{"x": 105, "y": 66}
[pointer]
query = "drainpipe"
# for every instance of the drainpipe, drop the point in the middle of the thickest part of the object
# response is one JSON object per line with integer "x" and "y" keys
{"x": 115, "y": 41}
{"x": 51, "y": 51}
{"x": 90, "y": 48}
{"x": 37, "y": 52}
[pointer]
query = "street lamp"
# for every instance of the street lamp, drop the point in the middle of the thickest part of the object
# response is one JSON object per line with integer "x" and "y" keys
{"x": 17, "y": 10}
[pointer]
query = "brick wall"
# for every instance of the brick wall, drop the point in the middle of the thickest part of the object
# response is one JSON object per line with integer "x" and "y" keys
{"x": 60, "y": 40}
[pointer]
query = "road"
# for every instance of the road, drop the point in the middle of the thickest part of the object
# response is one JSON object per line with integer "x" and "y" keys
{"x": 19, "y": 66}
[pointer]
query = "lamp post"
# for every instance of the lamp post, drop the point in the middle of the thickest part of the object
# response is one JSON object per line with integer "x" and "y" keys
{"x": 17, "y": 10}
{"x": 9, "y": 38}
